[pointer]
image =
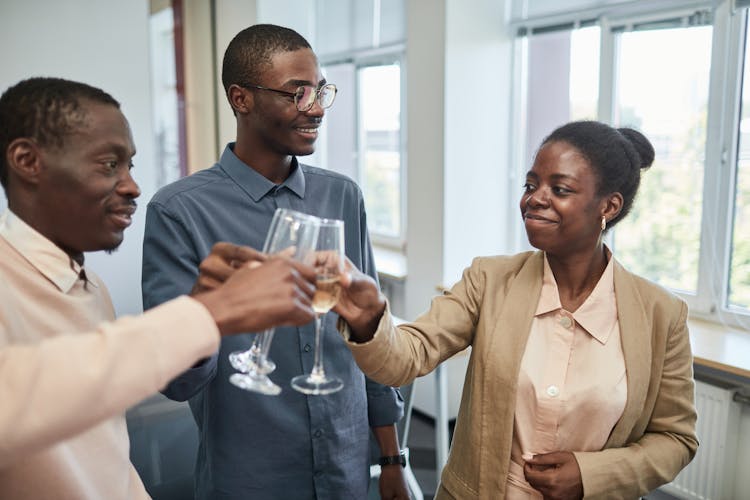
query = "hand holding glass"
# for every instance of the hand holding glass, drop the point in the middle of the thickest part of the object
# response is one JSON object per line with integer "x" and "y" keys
{"x": 294, "y": 234}
{"x": 329, "y": 265}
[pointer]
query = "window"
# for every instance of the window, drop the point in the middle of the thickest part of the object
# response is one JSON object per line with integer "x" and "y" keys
{"x": 661, "y": 89}
{"x": 379, "y": 125}
{"x": 362, "y": 139}
{"x": 165, "y": 42}
{"x": 739, "y": 274}
{"x": 682, "y": 78}
{"x": 570, "y": 59}
{"x": 361, "y": 45}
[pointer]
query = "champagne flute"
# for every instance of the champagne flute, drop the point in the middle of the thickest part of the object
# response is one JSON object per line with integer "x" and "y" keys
{"x": 329, "y": 265}
{"x": 244, "y": 361}
{"x": 295, "y": 234}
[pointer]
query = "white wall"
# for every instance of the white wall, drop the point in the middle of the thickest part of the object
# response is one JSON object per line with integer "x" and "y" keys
{"x": 477, "y": 130}
{"x": 232, "y": 16}
{"x": 103, "y": 43}
{"x": 298, "y": 15}
{"x": 425, "y": 151}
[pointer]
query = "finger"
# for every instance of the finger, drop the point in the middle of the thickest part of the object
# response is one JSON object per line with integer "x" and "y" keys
{"x": 286, "y": 253}
{"x": 553, "y": 458}
{"x": 305, "y": 285}
{"x": 306, "y": 272}
{"x": 345, "y": 280}
{"x": 204, "y": 284}
{"x": 230, "y": 252}
{"x": 538, "y": 478}
{"x": 215, "y": 267}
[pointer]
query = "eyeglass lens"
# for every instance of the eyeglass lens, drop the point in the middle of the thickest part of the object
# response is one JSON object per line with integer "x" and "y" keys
{"x": 306, "y": 96}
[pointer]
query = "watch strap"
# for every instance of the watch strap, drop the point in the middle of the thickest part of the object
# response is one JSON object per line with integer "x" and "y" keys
{"x": 399, "y": 459}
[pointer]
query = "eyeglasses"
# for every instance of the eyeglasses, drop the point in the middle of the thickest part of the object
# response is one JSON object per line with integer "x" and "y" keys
{"x": 306, "y": 95}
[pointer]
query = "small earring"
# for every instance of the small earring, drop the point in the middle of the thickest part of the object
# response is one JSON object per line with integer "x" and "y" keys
{"x": 604, "y": 223}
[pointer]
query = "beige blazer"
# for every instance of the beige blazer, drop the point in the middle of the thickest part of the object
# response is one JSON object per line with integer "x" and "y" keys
{"x": 491, "y": 309}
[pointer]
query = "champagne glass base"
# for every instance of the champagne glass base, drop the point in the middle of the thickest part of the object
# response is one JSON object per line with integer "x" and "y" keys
{"x": 258, "y": 383}
{"x": 242, "y": 361}
{"x": 317, "y": 385}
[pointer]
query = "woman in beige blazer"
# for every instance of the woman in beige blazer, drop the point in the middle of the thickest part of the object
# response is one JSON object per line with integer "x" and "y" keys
{"x": 583, "y": 181}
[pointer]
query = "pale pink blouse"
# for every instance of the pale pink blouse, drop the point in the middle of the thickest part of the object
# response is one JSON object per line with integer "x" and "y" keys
{"x": 572, "y": 386}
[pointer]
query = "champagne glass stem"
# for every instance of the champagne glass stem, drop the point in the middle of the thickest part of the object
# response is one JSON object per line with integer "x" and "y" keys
{"x": 317, "y": 371}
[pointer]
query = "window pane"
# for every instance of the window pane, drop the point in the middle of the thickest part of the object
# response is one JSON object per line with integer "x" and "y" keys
{"x": 662, "y": 90}
{"x": 570, "y": 59}
{"x": 739, "y": 274}
{"x": 164, "y": 94}
{"x": 380, "y": 146}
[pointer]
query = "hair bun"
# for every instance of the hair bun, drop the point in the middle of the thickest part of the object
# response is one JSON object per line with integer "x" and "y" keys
{"x": 642, "y": 146}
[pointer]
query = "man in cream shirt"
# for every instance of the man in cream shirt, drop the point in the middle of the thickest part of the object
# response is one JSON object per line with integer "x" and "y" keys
{"x": 68, "y": 370}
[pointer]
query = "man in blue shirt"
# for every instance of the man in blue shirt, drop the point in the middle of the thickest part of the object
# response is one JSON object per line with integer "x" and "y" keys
{"x": 251, "y": 445}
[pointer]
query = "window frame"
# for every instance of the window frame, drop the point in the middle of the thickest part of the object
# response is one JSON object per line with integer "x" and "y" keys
{"x": 391, "y": 242}
{"x": 393, "y": 54}
{"x": 729, "y": 24}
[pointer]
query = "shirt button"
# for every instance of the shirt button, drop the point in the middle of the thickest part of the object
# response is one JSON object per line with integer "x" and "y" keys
{"x": 318, "y": 433}
{"x": 307, "y": 348}
{"x": 566, "y": 322}
{"x": 553, "y": 391}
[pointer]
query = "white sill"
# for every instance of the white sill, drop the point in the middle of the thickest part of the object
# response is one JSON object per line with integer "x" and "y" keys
{"x": 391, "y": 264}
{"x": 720, "y": 347}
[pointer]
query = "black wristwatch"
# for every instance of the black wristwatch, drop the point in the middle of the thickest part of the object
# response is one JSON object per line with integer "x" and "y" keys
{"x": 399, "y": 459}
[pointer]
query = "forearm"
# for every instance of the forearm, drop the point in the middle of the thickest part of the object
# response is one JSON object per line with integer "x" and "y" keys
{"x": 636, "y": 469}
{"x": 62, "y": 386}
{"x": 387, "y": 439}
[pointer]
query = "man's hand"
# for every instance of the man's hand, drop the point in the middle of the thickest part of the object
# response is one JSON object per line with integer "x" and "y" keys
{"x": 273, "y": 293}
{"x": 392, "y": 483}
{"x": 361, "y": 303}
{"x": 221, "y": 263}
{"x": 556, "y": 475}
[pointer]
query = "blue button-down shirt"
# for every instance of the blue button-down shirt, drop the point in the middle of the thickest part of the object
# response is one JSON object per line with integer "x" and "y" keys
{"x": 251, "y": 445}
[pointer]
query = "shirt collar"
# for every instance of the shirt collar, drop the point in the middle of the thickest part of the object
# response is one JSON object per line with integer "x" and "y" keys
{"x": 598, "y": 314}
{"x": 253, "y": 183}
{"x": 49, "y": 259}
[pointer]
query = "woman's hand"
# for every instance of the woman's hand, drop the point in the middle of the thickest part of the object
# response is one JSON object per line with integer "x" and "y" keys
{"x": 361, "y": 303}
{"x": 556, "y": 475}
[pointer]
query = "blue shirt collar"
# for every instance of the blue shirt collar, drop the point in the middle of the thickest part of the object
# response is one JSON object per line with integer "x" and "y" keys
{"x": 253, "y": 183}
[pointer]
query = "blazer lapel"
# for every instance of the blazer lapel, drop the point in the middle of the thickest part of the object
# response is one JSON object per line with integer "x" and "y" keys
{"x": 635, "y": 333}
{"x": 505, "y": 347}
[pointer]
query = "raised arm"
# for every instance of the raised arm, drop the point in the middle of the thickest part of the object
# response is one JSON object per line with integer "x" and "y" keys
{"x": 56, "y": 388}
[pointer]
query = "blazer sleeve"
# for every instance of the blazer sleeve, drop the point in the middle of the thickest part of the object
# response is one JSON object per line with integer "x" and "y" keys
{"x": 668, "y": 443}
{"x": 61, "y": 386}
{"x": 397, "y": 355}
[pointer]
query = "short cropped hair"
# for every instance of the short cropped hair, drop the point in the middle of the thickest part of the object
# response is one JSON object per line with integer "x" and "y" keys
{"x": 250, "y": 51}
{"x": 46, "y": 110}
{"x": 617, "y": 156}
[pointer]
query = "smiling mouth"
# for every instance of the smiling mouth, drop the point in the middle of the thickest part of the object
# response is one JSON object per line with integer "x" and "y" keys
{"x": 312, "y": 130}
{"x": 123, "y": 217}
{"x": 537, "y": 218}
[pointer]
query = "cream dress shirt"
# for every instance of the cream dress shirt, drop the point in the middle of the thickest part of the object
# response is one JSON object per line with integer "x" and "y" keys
{"x": 572, "y": 386}
{"x": 68, "y": 371}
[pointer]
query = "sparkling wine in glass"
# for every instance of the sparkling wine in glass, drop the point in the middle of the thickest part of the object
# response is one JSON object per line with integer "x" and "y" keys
{"x": 329, "y": 265}
{"x": 295, "y": 234}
